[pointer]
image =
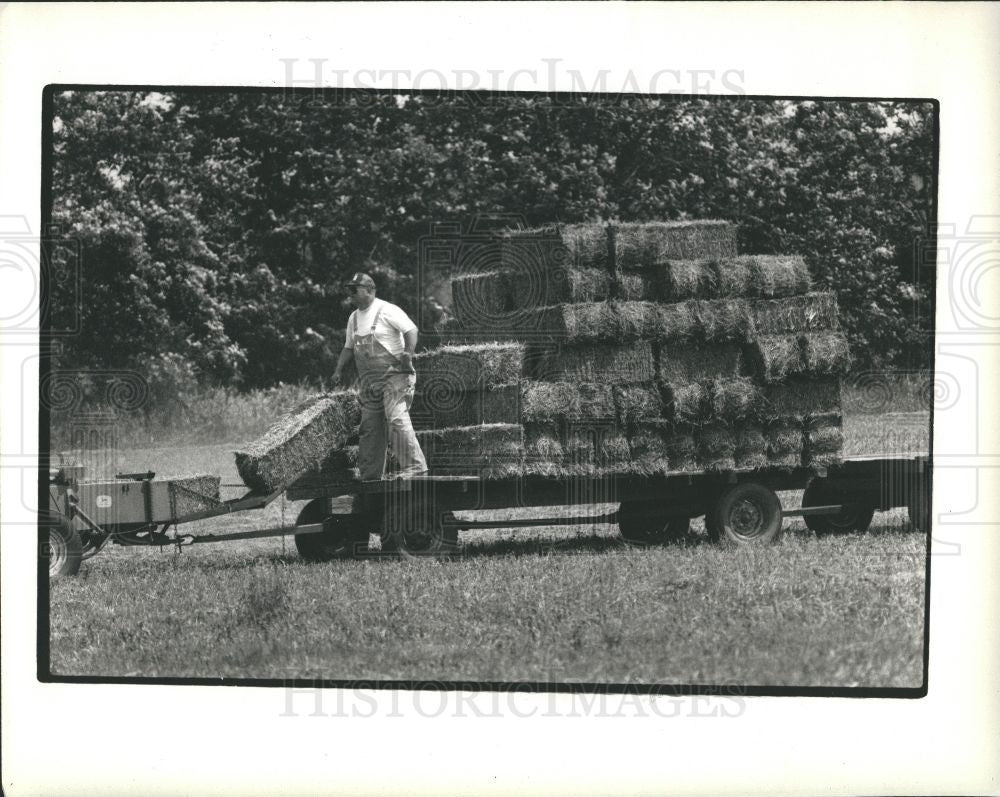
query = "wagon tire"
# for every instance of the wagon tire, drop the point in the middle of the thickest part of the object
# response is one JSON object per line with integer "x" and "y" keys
{"x": 639, "y": 527}
{"x": 745, "y": 514}
{"x": 63, "y": 550}
{"x": 339, "y": 539}
{"x": 853, "y": 517}
{"x": 415, "y": 530}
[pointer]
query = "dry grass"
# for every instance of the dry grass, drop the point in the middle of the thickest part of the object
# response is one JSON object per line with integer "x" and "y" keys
{"x": 436, "y": 406}
{"x": 637, "y": 402}
{"x": 777, "y": 357}
{"x": 550, "y": 401}
{"x": 734, "y": 398}
{"x": 480, "y": 298}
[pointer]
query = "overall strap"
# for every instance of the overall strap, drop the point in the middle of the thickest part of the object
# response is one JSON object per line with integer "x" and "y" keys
{"x": 378, "y": 315}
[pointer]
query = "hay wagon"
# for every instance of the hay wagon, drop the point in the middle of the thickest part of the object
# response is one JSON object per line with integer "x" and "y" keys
{"x": 416, "y": 518}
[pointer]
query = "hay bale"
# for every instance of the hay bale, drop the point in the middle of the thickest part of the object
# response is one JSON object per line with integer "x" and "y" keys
{"x": 463, "y": 368}
{"x": 435, "y": 405}
{"x": 812, "y": 311}
{"x": 750, "y": 450}
{"x": 686, "y": 279}
{"x": 685, "y": 403}
{"x": 553, "y": 449}
{"x": 634, "y": 287}
{"x": 801, "y": 397}
{"x": 716, "y": 447}
{"x": 624, "y": 364}
{"x": 611, "y": 449}
{"x": 733, "y": 276}
{"x": 721, "y": 319}
{"x": 682, "y": 449}
{"x": 784, "y": 444}
{"x": 299, "y": 440}
{"x": 698, "y": 362}
{"x": 479, "y": 299}
{"x": 558, "y": 285}
{"x": 671, "y": 322}
{"x": 637, "y": 402}
{"x": 489, "y": 450}
{"x": 825, "y": 353}
{"x": 544, "y": 249}
{"x": 823, "y": 442}
{"x": 648, "y": 444}
{"x": 643, "y": 244}
{"x": 550, "y": 401}
{"x": 783, "y": 437}
{"x": 734, "y": 398}
{"x": 777, "y": 356}
{"x": 775, "y": 276}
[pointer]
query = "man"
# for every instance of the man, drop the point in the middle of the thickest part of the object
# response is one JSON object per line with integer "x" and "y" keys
{"x": 381, "y": 340}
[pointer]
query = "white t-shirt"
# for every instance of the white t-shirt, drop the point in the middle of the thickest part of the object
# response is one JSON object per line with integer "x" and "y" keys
{"x": 392, "y": 325}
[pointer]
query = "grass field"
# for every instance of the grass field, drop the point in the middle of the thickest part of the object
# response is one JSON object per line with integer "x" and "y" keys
{"x": 551, "y": 604}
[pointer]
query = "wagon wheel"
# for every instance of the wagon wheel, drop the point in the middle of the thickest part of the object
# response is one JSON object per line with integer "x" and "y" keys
{"x": 414, "y": 528}
{"x": 640, "y": 524}
{"x": 852, "y": 517}
{"x": 63, "y": 550}
{"x": 341, "y": 537}
{"x": 745, "y": 514}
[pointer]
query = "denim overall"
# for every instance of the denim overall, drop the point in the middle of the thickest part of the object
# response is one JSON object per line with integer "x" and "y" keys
{"x": 386, "y": 397}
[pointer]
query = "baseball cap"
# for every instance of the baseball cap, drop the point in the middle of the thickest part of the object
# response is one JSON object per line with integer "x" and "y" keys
{"x": 362, "y": 280}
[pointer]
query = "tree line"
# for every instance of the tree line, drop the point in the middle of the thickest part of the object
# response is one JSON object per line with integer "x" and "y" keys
{"x": 215, "y": 228}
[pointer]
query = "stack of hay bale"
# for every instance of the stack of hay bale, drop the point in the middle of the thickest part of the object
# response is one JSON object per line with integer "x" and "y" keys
{"x": 596, "y": 350}
{"x": 652, "y": 348}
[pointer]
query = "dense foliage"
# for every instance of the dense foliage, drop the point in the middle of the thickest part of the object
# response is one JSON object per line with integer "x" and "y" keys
{"x": 215, "y": 228}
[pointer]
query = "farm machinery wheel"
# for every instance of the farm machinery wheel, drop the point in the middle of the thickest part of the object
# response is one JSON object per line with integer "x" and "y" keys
{"x": 641, "y": 524}
{"x": 414, "y": 528}
{"x": 853, "y": 517}
{"x": 744, "y": 514}
{"x": 63, "y": 550}
{"x": 340, "y": 538}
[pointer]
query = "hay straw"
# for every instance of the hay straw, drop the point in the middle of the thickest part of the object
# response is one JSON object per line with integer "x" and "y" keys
{"x": 734, "y": 398}
{"x": 750, "y": 450}
{"x": 826, "y": 352}
{"x": 682, "y": 449}
{"x": 812, "y": 311}
{"x": 823, "y": 441}
{"x": 479, "y": 298}
{"x": 559, "y": 285}
{"x": 555, "y": 246}
{"x": 801, "y": 397}
{"x": 686, "y": 279}
{"x": 716, "y": 447}
{"x": 783, "y": 437}
{"x": 638, "y": 402}
{"x": 444, "y": 408}
{"x": 777, "y": 356}
{"x": 698, "y": 362}
{"x": 299, "y": 440}
{"x": 636, "y": 287}
{"x": 489, "y": 450}
{"x": 465, "y": 368}
{"x": 648, "y": 444}
{"x": 775, "y": 276}
{"x": 733, "y": 276}
{"x": 721, "y": 319}
{"x": 608, "y": 364}
{"x": 686, "y": 403}
{"x": 550, "y": 401}
{"x": 637, "y": 245}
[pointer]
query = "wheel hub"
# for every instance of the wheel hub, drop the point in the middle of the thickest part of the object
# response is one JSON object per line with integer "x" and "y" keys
{"x": 746, "y": 519}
